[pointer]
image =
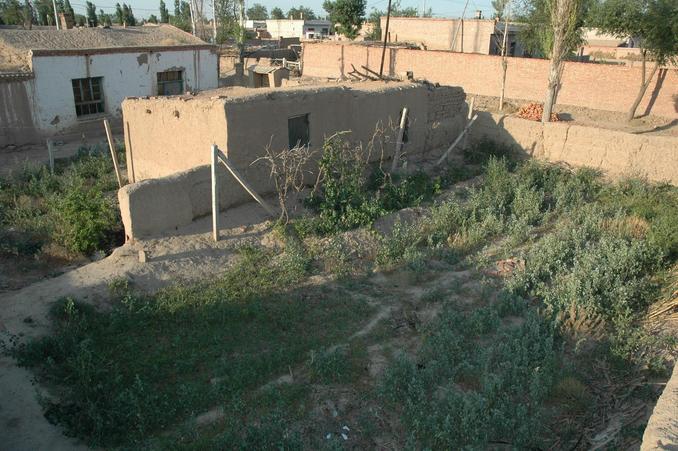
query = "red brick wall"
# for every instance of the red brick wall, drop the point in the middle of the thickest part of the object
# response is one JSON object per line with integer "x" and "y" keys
{"x": 598, "y": 86}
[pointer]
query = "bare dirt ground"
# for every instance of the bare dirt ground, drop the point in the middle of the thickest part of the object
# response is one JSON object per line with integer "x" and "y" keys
{"x": 613, "y": 120}
{"x": 189, "y": 254}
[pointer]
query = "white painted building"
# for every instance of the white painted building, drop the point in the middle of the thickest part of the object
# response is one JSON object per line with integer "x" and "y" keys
{"x": 302, "y": 29}
{"x": 79, "y": 75}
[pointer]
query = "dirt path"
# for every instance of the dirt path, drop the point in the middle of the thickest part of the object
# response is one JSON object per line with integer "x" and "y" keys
{"x": 190, "y": 254}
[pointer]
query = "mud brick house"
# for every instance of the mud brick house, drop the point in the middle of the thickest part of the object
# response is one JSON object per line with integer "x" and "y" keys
{"x": 56, "y": 80}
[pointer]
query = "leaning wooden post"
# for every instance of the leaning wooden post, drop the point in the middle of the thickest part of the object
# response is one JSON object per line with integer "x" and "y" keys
{"x": 399, "y": 142}
{"x": 215, "y": 193}
{"x": 456, "y": 141}
{"x": 50, "y": 151}
{"x": 234, "y": 172}
{"x": 114, "y": 154}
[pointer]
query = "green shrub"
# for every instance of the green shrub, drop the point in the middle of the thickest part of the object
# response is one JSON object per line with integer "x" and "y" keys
{"x": 83, "y": 217}
{"x": 68, "y": 207}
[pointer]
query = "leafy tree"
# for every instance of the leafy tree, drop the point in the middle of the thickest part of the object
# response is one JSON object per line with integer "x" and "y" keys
{"x": 153, "y": 18}
{"x": 80, "y": 20}
{"x": 128, "y": 15}
{"x": 44, "y": 11}
{"x": 12, "y": 12}
{"x": 277, "y": 13}
{"x": 654, "y": 22}
{"x": 537, "y": 35}
{"x": 105, "y": 19}
{"x": 182, "y": 15}
{"x": 257, "y": 12}
{"x": 68, "y": 9}
{"x": 91, "y": 11}
{"x": 301, "y": 12}
{"x": 396, "y": 11}
{"x": 164, "y": 13}
{"x": 565, "y": 18}
{"x": 349, "y": 14}
{"x": 119, "y": 17}
{"x": 499, "y": 7}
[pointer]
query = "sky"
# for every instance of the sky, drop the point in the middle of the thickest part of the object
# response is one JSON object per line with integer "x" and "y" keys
{"x": 441, "y": 8}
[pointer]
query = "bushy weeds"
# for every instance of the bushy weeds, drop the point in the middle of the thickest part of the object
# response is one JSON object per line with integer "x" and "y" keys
{"x": 594, "y": 256}
{"x": 352, "y": 192}
{"x": 75, "y": 207}
{"x": 508, "y": 202}
{"x": 148, "y": 363}
{"x": 476, "y": 382}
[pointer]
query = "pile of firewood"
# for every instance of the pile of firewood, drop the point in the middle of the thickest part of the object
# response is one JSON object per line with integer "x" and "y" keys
{"x": 533, "y": 112}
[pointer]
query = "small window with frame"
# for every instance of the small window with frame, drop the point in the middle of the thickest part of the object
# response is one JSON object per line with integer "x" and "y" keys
{"x": 88, "y": 96}
{"x": 170, "y": 82}
{"x": 298, "y": 131}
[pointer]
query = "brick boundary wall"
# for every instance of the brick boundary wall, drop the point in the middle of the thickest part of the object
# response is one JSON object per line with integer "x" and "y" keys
{"x": 597, "y": 86}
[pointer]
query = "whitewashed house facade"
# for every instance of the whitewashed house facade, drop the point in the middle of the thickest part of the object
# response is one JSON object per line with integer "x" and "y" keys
{"x": 54, "y": 80}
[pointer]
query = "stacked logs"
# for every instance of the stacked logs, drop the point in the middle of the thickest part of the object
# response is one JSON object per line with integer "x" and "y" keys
{"x": 533, "y": 112}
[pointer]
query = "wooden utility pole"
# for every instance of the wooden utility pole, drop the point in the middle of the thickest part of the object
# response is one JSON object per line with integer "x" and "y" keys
{"x": 56, "y": 15}
{"x": 456, "y": 32}
{"x": 383, "y": 50}
{"x": 504, "y": 62}
{"x": 214, "y": 21}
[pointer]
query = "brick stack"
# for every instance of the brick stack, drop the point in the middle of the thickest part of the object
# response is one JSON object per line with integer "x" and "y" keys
{"x": 533, "y": 112}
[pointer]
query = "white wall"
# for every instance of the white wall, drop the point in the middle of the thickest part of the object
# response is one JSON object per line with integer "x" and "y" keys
{"x": 124, "y": 75}
{"x": 285, "y": 28}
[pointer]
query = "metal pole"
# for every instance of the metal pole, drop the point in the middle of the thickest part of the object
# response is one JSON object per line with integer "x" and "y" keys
{"x": 56, "y": 15}
{"x": 383, "y": 50}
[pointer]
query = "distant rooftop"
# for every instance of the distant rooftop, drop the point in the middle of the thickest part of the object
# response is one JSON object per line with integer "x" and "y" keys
{"x": 16, "y": 42}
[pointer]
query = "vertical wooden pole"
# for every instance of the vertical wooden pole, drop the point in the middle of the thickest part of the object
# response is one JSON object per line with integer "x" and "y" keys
{"x": 399, "y": 141}
{"x": 215, "y": 194}
{"x": 114, "y": 154}
{"x": 50, "y": 151}
{"x": 383, "y": 50}
{"x": 468, "y": 118}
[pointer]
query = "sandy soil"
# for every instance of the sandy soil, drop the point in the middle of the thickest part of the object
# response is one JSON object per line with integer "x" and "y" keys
{"x": 613, "y": 120}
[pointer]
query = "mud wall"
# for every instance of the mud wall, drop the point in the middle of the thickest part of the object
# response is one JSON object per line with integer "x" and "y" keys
{"x": 172, "y": 168}
{"x": 614, "y": 152}
{"x": 168, "y": 135}
{"x": 598, "y": 86}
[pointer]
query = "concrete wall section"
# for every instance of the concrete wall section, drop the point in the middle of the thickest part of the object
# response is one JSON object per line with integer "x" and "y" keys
{"x": 598, "y": 86}
{"x": 16, "y": 120}
{"x": 614, "y": 152}
{"x": 124, "y": 74}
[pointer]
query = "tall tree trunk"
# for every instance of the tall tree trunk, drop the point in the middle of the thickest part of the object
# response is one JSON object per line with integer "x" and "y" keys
{"x": 563, "y": 18}
{"x": 641, "y": 92}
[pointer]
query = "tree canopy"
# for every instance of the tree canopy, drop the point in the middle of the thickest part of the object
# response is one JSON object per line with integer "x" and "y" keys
{"x": 301, "y": 12}
{"x": 537, "y": 36}
{"x": 653, "y": 22}
{"x": 164, "y": 13}
{"x": 348, "y": 14}
{"x": 257, "y": 12}
{"x": 277, "y": 13}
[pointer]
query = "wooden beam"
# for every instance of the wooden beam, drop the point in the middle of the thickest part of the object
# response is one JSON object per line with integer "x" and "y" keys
{"x": 399, "y": 141}
{"x": 234, "y": 172}
{"x": 456, "y": 141}
{"x": 50, "y": 152}
{"x": 114, "y": 154}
